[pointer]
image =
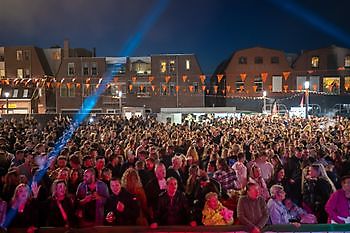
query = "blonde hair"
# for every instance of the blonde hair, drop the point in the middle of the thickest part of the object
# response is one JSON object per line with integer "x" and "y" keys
{"x": 129, "y": 183}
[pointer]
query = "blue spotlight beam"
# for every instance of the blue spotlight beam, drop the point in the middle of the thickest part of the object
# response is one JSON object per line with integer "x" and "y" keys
{"x": 88, "y": 104}
{"x": 314, "y": 20}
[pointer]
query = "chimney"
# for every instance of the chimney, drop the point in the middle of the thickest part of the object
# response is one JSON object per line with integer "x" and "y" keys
{"x": 94, "y": 52}
{"x": 66, "y": 48}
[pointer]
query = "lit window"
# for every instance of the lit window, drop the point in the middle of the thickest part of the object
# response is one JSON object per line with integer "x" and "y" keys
{"x": 26, "y": 55}
{"x": 315, "y": 62}
{"x": 188, "y": 65}
{"x": 71, "y": 70}
{"x": 27, "y": 73}
{"x": 347, "y": 84}
{"x": 94, "y": 68}
{"x": 172, "y": 66}
{"x": 258, "y": 60}
{"x": 163, "y": 67}
{"x": 2, "y": 73}
{"x": 242, "y": 60}
{"x": 25, "y": 93}
{"x": 15, "y": 93}
{"x": 19, "y": 55}
{"x": 331, "y": 85}
{"x": 239, "y": 86}
{"x": 63, "y": 90}
{"x": 19, "y": 73}
{"x": 56, "y": 55}
{"x": 347, "y": 61}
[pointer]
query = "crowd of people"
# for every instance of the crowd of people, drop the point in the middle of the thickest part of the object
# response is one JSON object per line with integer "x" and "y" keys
{"x": 251, "y": 170}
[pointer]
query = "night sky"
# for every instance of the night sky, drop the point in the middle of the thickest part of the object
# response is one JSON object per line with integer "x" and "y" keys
{"x": 211, "y": 29}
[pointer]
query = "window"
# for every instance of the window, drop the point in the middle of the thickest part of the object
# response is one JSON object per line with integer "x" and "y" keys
{"x": 315, "y": 83}
{"x": 242, "y": 60}
{"x": 71, "y": 69}
{"x": 301, "y": 82}
{"x": 19, "y": 54}
{"x": 315, "y": 62}
{"x": 347, "y": 61}
{"x": 56, "y": 55}
{"x": 195, "y": 85}
{"x": 258, "y": 83}
{"x": 94, "y": 68}
{"x": 26, "y": 55}
{"x": 163, "y": 88}
{"x": 347, "y": 84}
{"x": 163, "y": 67}
{"x": 258, "y": 60}
{"x": 239, "y": 86}
{"x": 275, "y": 60}
{"x": 172, "y": 66}
{"x": 71, "y": 91}
{"x": 331, "y": 85}
{"x": 19, "y": 73}
{"x": 172, "y": 89}
{"x": 276, "y": 83}
{"x": 63, "y": 90}
{"x": 188, "y": 65}
{"x": 85, "y": 68}
{"x": 25, "y": 93}
{"x": 2, "y": 73}
{"x": 15, "y": 93}
{"x": 27, "y": 73}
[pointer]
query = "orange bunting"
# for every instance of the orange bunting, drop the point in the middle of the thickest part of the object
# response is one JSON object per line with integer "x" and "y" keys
{"x": 98, "y": 85}
{"x": 88, "y": 81}
{"x": 216, "y": 89}
{"x": 150, "y": 79}
{"x": 133, "y": 79}
{"x": 167, "y": 78}
{"x": 310, "y": 71}
{"x": 285, "y": 87}
{"x": 255, "y": 87}
{"x": 202, "y": 78}
{"x": 191, "y": 88}
{"x": 48, "y": 84}
{"x": 241, "y": 88}
{"x": 184, "y": 78}
{"x": 130, "y": 87}
{"x": 286, "y": 75}
{"x": 164, "y": 87}
{"x": 203, "y": 88}
{"x": 223, "y": 92}
{"x": 264, "y": 76}
{"x": 207, "y": 91}
{"x": 315, "y": 87}
{"x": 58, "y": 85}
{"x": 78, "y": 85}
{"x": 347, "y": 86}
{"x": 270, "y": 88}
{"x": 142, "y": 87}
{"x": 69, "y": 85}
{"x": 243, "y": 76}
{"x": 300, "y": 87}
{"x": 177, "y": 88}
{"x": 220, "y": 76}
{"x": 87, "y": 86}
{"x": 153, "y": 87}
{"x": 228, "y": 88}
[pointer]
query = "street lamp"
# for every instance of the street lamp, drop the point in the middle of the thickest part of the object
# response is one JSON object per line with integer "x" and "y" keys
{"x": 264, "y": 98}
{"x": 7, "y": 94}
{"x": 307, "y": 86}
{"x": 120, "y": 94}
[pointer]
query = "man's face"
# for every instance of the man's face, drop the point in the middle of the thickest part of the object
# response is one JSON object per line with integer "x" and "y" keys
{"x": 346, "y": 185}
{"x": 172, "y": 186}
{"x": 88, "y": 177}
{"x": 160, "y": 172}
{"x": 115, "y": 186}
{"x": 253, "y": 192}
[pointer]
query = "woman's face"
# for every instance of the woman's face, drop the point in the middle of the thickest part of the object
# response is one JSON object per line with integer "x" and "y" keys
{"x": 74, "y": 176}
{"x": 115, "y": 186}
{"x": 280, "y": 174}
{"x": 313, "y": 172}
{"x": 213, "y": 202}
{"x": 256, "y": 172}
{"x": 22, "y": 193}
{"x": 60, "y": 189}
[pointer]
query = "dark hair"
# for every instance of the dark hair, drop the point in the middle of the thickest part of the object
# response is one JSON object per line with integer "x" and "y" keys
{"x": 343, "y": 178}
{"x": 250, "y": 184}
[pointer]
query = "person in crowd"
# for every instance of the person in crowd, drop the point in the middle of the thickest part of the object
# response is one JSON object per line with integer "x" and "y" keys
{"x": 277, "y": 211}
{"x": 252, "y": 211}
{"x": 265, "y": 166}
{"x": 338, "y": 205}
{"x": 73, "y": 182}
{"x": 121, "y": 207}
{"x": 293, "y": 170}
{"x": 60, "y": 207}
{"x": 214, "y": 213}
{"x": 132, "y": 183}
{"x": 241, "y": 171}
{"x": 256, "y": 177}
{"x": 298, "y": 214}
{"x": 91, "y": 195}
{"x": 225, "y": 175}
{"x": 174, "y": 171}
{"x": 172, "y": 208}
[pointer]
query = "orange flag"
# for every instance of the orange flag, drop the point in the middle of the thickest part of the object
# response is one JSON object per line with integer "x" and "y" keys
{"x": 286, "y": 75}
{"x": 243, "y": 76}
{"x": 220, "y": 76}
{"x": 203, "y": 88}
{"x": 315, "y": 87}
{"x": 133, "y": 79}
{"x": 153, "y": 87}
{"x": 130, "y": 87}
{"x": 228, "y": 88}
{"x": 177, "y": 88}
{"x": 78, "y": 85}
{"x": 164, "y": 87}
{"x": 300, "y": 87}
{"x": 191, "y": 88}
{"x": 241, "y": 88}
{"x": 216, "y": 89}
{"x": 264, "y": 76}
{"x": 255, "y": 87}
{"x": 202, "y": 78}
{"x": 184, "y": 78}
{"x": 142, "y": 87}
{"x": 167, "y": 78}
{"x": 270, "y": 87}
{"x": 285, "y": 87}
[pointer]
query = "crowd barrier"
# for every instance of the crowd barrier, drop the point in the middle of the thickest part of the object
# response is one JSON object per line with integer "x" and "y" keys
{"x": 339, "y": 228}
